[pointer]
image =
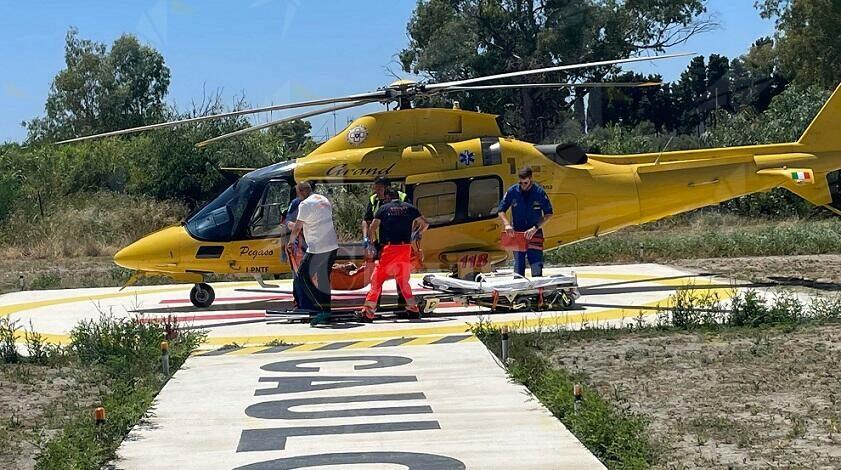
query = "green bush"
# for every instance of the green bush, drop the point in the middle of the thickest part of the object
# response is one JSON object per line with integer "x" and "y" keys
{"x": 751, "y": 309}
{"x": 45, "y": 281}
{"x": 615, "y": 435}
{"x": 127, "y": 347}
{"x": 8, "y": 337}
{"x": 692, "y": 309}
{"x": 826, "y": 308}
{"x": 348, "y": 209}
{"x": 9, "y": 194}
{"x": 123, "y": 354}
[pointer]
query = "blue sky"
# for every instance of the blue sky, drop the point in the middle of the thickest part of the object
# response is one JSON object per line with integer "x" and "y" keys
{"x": 271, "y": 51}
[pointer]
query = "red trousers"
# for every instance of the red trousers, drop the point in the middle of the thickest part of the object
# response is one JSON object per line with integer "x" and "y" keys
{"x": 395, "y": 263}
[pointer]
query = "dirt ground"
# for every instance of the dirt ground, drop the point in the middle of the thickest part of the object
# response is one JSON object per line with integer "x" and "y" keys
{"x": 765, "y": 398}
{"x": 33, "y": 401}
{"x": 820, "y": 271}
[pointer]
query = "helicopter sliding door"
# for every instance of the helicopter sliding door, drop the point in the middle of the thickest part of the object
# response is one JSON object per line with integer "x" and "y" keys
{"x": 261, "y": 250}
{"x": 461, "y": 209}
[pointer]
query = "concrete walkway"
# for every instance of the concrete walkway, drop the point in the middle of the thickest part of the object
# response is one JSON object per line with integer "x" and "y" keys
{"x": 441, "y": 406}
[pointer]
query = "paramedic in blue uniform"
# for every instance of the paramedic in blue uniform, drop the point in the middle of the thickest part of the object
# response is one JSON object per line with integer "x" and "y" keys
{"x": 530, "y": 210}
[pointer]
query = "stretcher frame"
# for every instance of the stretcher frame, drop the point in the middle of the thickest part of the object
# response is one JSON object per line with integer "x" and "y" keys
{"x": 502, "y": 292}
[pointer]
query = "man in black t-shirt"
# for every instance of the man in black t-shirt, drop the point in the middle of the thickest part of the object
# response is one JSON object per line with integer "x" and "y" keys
{"x": 399, "y": 224}
{"x": 370, "y": 237}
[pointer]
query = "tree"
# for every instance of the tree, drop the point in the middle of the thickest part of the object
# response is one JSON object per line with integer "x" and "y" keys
{"x": 102, "y": 90}
{"x": 756, "y": 77}
{"x": 690, "y": 92}
{"x": 631, "y": 106}
{"x": 294, "y": 138}
{"x": 807, "y": 39}
{"x": 453, "y": 39}
{"x": 718, "y": 82}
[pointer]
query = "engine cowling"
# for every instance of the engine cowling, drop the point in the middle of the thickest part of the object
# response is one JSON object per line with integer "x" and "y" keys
{"x": 563, "y": 154}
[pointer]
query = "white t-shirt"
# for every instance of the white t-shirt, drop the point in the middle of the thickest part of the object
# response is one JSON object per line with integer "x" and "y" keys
{"x": 316, "y": 213}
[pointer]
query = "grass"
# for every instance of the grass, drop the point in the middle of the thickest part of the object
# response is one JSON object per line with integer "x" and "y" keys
{"x": 606, "y": 423}
{"x": 616, "y": 436}
{"x": 118, "y": 362}
{"x": 705, "y": 236}
{"x": 94, "y": 224}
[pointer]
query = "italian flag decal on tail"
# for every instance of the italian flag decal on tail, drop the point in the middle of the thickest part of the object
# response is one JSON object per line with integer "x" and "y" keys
{"x": 802, "y": 176}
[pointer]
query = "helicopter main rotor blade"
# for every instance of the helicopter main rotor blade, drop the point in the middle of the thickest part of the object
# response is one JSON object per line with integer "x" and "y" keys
{"x": 554, "y": 85}
{"x": 301, "y": 104}
{"x": 557, "y": 68}
{"x": 307, "y": 114}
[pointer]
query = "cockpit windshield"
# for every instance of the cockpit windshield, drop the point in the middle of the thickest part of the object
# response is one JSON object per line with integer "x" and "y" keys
{"x": 219, "y": 220}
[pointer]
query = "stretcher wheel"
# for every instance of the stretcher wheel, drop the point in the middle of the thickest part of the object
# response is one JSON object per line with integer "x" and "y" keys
{"x": 565, "y": 300}
{"x": 471, "y": 276}
{"x": 202, "y": 295}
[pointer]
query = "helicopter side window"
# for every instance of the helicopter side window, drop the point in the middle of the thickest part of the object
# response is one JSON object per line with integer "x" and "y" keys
{"x": 266, "y": 220}
{"x": 436, "y": 201}
{"x": 483, "y": 198}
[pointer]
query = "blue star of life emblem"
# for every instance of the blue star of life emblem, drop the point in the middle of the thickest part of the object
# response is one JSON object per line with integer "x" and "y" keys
{"x": 466, "y": 158}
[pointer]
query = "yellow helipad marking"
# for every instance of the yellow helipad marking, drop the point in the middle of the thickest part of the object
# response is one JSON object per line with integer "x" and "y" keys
{"x": 341, "y": 345}
{"x": 423, "y": 340}
{"x": 306, "y": 347}
{"x": 318, "y": 339}
{"x": 364, "y": 344}
{"x": 247, "y": 350}
{"x": 13, "y": 308}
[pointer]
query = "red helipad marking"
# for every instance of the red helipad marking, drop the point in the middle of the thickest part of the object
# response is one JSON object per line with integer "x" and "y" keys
{"x": 360, "y": 295}
{"x": 231, "y": 299}
{"x": 210, "y": 316}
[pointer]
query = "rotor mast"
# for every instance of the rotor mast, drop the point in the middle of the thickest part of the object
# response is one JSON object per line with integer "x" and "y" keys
{"x": 403, "y": 91}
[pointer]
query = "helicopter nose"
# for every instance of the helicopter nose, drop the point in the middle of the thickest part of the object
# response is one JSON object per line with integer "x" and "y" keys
{"x": 152, "y": 251}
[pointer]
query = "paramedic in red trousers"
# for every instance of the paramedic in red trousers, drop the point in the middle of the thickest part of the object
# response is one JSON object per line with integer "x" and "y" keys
{"x": 370, "y": 238}
{"x": 315, "y": 218}
{"x": 399, "y": 224}
{"x": 530, "y": 210}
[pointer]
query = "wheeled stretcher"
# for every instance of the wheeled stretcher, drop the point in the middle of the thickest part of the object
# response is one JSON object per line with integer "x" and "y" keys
{"x": 498, "y": 292}
{"x": 503, "y": 292}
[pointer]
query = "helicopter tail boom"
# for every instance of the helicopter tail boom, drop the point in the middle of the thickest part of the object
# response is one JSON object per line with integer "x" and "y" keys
{"x": 674, "y": 182}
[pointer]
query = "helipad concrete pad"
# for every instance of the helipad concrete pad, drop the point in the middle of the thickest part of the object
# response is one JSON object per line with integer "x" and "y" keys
{"x": 442, "y": 406}
{"x": 615, "y": 294}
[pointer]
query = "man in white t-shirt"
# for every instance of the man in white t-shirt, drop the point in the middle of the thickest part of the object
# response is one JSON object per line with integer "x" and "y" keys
{"x": 315, "y": 218}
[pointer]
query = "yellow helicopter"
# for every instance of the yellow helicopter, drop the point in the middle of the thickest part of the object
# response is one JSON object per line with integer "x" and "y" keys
{"x": 455, "y": 165}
